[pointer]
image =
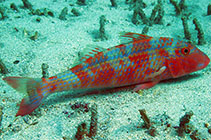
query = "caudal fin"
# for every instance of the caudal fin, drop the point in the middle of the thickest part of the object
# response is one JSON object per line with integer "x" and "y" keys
{"x": 29, "y": 86}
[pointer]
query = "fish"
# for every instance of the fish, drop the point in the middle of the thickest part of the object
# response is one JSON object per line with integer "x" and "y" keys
{"x": 141, "y": 62}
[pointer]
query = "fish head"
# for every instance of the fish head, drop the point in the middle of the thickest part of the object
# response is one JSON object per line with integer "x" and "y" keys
{"x": 186, "y": 58}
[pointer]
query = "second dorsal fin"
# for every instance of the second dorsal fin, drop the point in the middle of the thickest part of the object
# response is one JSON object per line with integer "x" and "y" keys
{"x": 129, "y": 37}
{"x": 87, "y": 52}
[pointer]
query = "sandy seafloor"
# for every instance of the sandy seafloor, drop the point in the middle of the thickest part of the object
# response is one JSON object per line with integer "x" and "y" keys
{"x": 58, "y": 44}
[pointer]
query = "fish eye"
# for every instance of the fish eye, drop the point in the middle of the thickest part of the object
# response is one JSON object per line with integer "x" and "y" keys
{"x": 185, "y": 51}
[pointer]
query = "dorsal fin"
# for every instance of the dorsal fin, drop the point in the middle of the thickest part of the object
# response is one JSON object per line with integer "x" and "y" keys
{"x": 87, "y": 52}
{"x": 129, "y": 37}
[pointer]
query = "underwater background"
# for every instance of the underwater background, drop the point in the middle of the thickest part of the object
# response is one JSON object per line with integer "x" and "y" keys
{"x": 45, "y": 37}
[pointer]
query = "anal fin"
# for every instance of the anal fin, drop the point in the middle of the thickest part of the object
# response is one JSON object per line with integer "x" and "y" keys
{"x": 145, "y": 85}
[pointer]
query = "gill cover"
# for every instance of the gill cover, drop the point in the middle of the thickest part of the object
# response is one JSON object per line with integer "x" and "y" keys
{"x": 175, "y": 67}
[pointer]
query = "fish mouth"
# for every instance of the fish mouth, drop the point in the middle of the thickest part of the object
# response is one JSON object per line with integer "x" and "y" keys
{"x": 205, "y": 62}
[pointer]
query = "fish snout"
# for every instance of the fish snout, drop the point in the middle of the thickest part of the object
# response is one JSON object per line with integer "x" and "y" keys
{"x": 203, "y": 61}
{"x": 206, "y": 61}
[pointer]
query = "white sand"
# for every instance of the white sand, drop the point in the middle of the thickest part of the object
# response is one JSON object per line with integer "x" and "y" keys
{"x": 58, "y": 44}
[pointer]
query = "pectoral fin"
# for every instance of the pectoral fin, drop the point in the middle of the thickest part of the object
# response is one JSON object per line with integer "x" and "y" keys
{"x": 152, "y": 83}
{"x": 159, "y": 72}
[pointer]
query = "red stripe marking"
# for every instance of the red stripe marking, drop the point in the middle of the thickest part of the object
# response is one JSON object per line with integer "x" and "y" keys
{"x": 104, "y": 76}
{"x": 84, "y": 79}
{"x": 134, "y": 58}
{"x": 94, "y": 50}
{"x": 99, "y": 55}
{"x": 53, "y": 77}
{"x": 163, "y": 52}
{"x": 53, "y": 88}
{"x": 158, "y": 45}
{"x": 77, "y": 68}
{"x": 89, "y": 60}
{"x": 44, "y": 80}
{"x": 119, "y": 46}
{"x": 177, "y": 52}
{"x": 121, "y": 62}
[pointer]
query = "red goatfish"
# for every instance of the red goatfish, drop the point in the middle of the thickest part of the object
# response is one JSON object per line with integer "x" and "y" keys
{"x": 142, "y": 62}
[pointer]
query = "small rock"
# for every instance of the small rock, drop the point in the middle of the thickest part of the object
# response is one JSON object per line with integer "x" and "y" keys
{"x": 209, "y": 129}
{"x": 16, "y": 62}
{"x": 63, "y": 13}
{"x": 75, "y": 12}
{"x": 209, "y": 9}
{"x": 16, "y": 128}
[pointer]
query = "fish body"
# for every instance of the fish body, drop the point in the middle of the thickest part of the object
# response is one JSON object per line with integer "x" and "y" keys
{"x": 141, "y": 62}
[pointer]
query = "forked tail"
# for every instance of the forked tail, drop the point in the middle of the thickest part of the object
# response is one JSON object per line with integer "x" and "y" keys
{"x": 29, "y": 86}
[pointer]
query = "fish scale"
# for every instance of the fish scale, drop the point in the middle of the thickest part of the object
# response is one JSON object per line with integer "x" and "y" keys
{"x": 104, "y": 74}
{"x": 139, "y": 63}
